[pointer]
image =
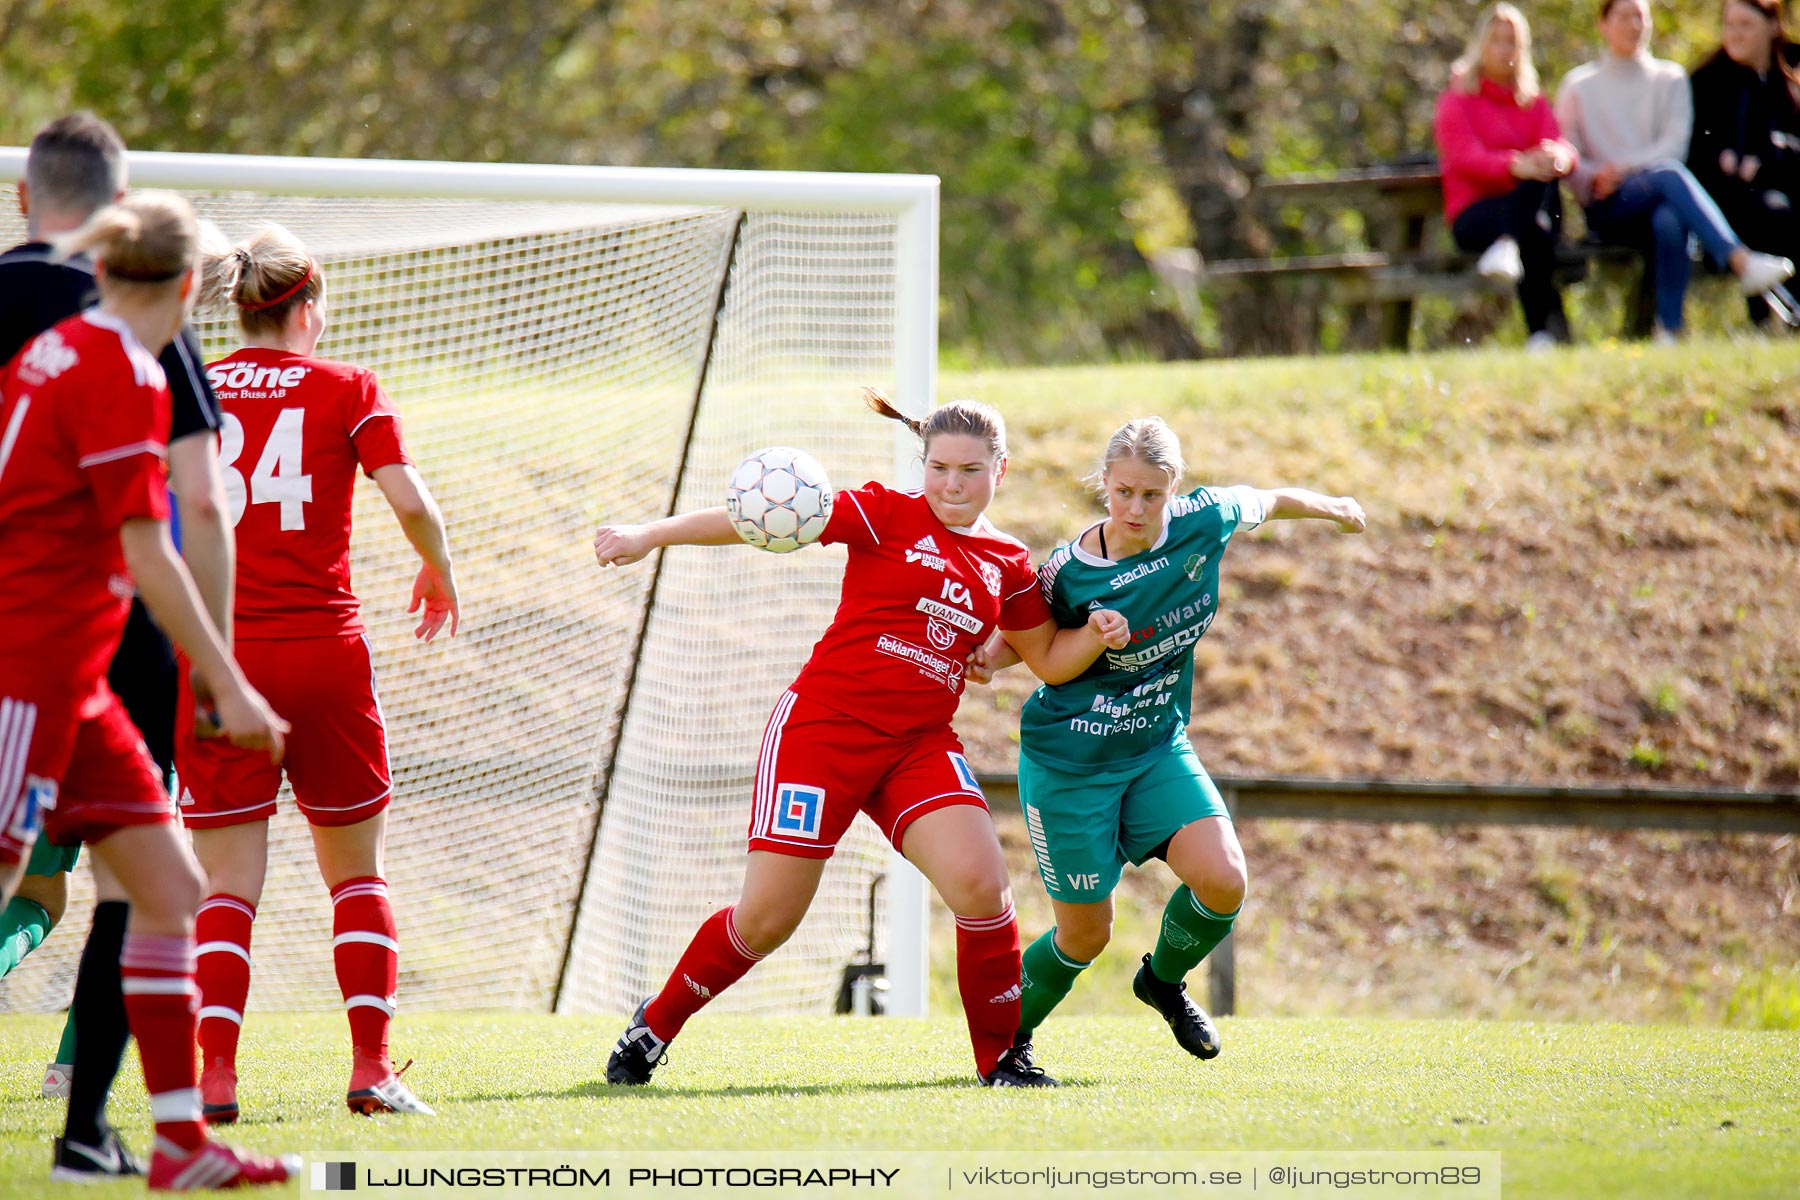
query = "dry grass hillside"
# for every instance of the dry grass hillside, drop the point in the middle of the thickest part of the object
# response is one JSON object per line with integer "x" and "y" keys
{"x": 1580, "y": 568}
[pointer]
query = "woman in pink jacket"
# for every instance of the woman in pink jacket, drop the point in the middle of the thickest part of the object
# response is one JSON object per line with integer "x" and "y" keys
{"x": 1501, "y": 154}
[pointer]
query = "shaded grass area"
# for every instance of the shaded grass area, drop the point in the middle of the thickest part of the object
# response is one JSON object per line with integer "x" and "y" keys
{"x": 1592, "y": 1111}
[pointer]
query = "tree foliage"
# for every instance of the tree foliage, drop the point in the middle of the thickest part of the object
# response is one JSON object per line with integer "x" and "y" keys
{"x": 1072, "y": 135}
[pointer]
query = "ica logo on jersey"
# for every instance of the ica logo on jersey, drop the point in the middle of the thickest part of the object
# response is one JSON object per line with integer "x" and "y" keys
{"x": 956, "y": 593}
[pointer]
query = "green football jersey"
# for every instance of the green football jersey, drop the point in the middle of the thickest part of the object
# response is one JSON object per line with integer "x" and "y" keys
{"x": 1129, "y": 705}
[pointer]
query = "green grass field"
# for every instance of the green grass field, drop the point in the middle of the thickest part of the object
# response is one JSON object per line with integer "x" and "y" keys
{"x": 1574, "y": 1110}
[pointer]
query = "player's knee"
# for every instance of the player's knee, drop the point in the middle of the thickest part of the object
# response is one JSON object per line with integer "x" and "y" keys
{"x": 175, "y": 899}
{"x": 49, "y": 892}
{"x": 1083, "y": 941}
{"x": 765, "y": 927}
{"x": 1223, "y": 887}
{"x": 976, "y": 889}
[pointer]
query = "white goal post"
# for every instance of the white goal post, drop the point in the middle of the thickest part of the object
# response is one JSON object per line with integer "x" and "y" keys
{"x": 569, "y": 344}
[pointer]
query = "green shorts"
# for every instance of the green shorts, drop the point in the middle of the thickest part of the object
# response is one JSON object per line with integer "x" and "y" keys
{"x": 48, "y": 858}
{"x": 1085, "y": 826}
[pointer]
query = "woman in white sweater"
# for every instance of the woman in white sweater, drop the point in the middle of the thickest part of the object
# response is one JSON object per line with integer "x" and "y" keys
{"x": 1630, "y": 116}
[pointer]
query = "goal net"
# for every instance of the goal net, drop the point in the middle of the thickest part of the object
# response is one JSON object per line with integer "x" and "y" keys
{"x": 572, "y": 772}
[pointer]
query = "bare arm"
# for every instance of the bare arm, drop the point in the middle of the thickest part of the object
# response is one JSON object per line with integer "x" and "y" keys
{"x": 207, "y": 545}
{"x": 168, "y": 592}
{"x": 423, "y": 524}
{"x": 990, "y": 658}
{"x": 619, "y": 545}
{"x": 1059, "y": 655}
{"x": 1288, "y": 503}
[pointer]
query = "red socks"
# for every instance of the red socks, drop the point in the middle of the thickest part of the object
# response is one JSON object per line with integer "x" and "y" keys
{"x": 987, "y": 975}
{"x": 222, "y": 929}
{"x": 713, "y": 961}
{"x": 156, "y": 973}
{"x": 366, "y": 951}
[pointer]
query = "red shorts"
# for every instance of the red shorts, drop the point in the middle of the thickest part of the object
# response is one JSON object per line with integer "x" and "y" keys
{"x": 79, "y": 769}
{"x": 819, "y": 768}
{"x": 336, "y": 751}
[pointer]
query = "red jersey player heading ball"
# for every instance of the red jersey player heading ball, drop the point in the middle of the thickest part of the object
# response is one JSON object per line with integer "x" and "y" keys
{"x": 296, "y": 430}
{"x": 866, "y": 728}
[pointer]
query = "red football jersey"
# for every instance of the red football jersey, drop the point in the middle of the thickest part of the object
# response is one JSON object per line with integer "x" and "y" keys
{"x": 295, "y": 432}
{"x": 918, "y": 597}
{"x": 84, "y": 423}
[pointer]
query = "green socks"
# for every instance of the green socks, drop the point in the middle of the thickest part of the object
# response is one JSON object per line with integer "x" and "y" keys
{"x": 1190, "y": 930}
{"x": 65, "y": 1049}
{"x": 1048, "y": 974}
{"x": 23, "y": 925}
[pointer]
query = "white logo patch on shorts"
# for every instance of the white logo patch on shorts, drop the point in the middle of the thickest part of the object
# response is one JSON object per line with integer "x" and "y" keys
{"x": 798, "y": 809}
{"x": 964, "y": 772}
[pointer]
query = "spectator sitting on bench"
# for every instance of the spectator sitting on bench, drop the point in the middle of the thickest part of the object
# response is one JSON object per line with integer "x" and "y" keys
{"x": 1500, "y": 154}
{"x": 1629, "y": 116}
{"x": 1746, "y": 148}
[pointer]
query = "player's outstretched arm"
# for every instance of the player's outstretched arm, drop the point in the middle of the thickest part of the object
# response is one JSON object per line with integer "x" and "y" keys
{"x": 1059, "y": 655}
{"x": 1289, "y": 503}
{"x": 619, "y": 545}
{"x": 207, "y": 545}
{"x": 168, "y": 592}
{"x": 423, "y": 524}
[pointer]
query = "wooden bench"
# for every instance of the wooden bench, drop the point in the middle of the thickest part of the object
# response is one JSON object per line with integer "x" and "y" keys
{"x": 1400, "y": 207}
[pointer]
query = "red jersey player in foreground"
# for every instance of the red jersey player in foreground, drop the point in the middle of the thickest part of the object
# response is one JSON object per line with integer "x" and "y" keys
{"x": 84, "y": 418}
{"x": 866, "y": 728}
{"x": 296, "y": 429}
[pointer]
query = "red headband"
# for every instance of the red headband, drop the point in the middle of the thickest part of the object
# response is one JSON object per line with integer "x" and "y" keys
{"x": 311, "y": 265}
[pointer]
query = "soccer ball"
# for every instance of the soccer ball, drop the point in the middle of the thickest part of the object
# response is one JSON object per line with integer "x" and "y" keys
{"x": 778, "y": 499}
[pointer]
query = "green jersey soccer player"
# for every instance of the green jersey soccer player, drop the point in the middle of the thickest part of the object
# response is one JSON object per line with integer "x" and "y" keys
{"x": 1106, "y": 773}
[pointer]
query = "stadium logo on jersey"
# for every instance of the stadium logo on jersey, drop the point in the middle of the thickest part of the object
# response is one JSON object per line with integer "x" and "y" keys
{"x": 990, "y": 575}
{"x": 798, "y": 808}
{"x": 1138, "y": 572}
{"x": 964, "y": 774}
{"x": 48, "y": 356}
{"x": 926, "y": 551}
{"x": 230, "y": 376}
{"x": 1192, "y": 568}
{"x": 968, "y": 622}
{"x": 940, "y": 635}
